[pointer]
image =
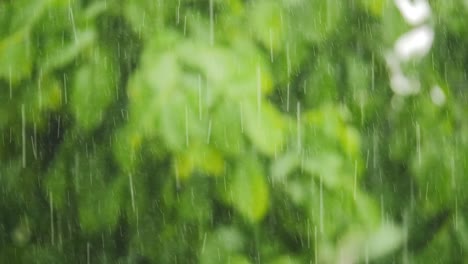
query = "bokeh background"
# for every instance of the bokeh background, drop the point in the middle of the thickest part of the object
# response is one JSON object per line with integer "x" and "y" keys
{"x": 236, "y": 131}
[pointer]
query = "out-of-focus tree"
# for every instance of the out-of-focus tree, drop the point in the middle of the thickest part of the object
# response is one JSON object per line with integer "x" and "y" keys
{"x": 233, "y": 131}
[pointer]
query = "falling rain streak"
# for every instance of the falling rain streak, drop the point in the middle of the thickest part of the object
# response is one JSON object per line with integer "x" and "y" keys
{"x": 233, "y": 131}
{"x": 23, "y": 135}
{"x": 186, "y": 127}
{"x": 212, "y": 33}
{"x": 259, "y": 94}
{"x": 132, "y": 191}
{"x": 298, "y": 121}
{"x": 72, "y": 20}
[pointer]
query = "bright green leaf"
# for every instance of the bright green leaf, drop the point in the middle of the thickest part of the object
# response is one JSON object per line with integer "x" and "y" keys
{"x": 384, "y": 240}
{"x": 264, "y": 126}
{"x": 317, "y": 19}
{"x": 248, "y": 190}
{"x": 16, "y": 57}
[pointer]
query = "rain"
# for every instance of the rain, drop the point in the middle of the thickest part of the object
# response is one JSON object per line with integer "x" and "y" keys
{"x": 238, "y": 132}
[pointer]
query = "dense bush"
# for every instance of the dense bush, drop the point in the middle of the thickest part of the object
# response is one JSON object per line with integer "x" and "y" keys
{"x": 231, "y": 131}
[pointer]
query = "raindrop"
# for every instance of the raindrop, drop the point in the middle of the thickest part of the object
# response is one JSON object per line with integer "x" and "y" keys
{"x": 259, "y": 92}
{"x": 271, "y": 45}
{"x": 39, "y": 88}
{"x": 367, "y": 158}
{"x": 308, "y": 233}
{"x": 9, "y": 83}
{"x": 373, "y": 73}
{"x": 23, "y": 135}
{"x": 199, "y": 97}
{"x": 382, "y": 208}
{"x": 72, "y": 19}
{"x": 288, "y": 61}
{"x": 209, "y": 133}
{"x": 178, "y": 13}
{"x": 65, "y": 88}
{"x": 355, "y": 180}
{"x": 418, "y": 142}
{"x": 186, "y": 127}
{"x": 241, "y": 117}
{"x": 427, "y": 191}
{"x": 88, "y": 252}
{"x": 452, "y": 170}
{"x": 315, "y": 244}
{"x": 456, "y": 213}
{"x": 58, "y": 127}
{"x": 52, "y": 230}
{"x": 211, "y": 23}
{"x": 34, "y": 142}
{"x": 204, "y": 243}
{"x": 298, "y": 122}
{"x": 132, "y": 193}
{"x": 321, "y": 222}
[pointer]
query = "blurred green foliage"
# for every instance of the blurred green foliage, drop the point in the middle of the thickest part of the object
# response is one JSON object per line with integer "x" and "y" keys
{"x": 230, "y": 131}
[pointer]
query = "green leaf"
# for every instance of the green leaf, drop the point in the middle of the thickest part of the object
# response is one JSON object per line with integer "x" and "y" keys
{"x": 317, "y": 19}
{"x": 248, "y": 190}
{"x": 226, "y": 132}
{"x": 58, "y": 55}
{"x": 361, "y": 245}
{"x": 285, "y": 259}
{"x": 41, "y": 97}
{"x": 55, "y": 183}
{"x": 99, "y": 206}
{"x": 27, "y": 13}
{"x": 42, "y": 254}
{"x": 423, "y": 230}
{"x": 393, "y": 24}
{"x": 222, "y": 245}
{"x": 144, "y": 93}
{"x": 238, "y": 259}
{"x": 384, "y": 241}
{"x": 283, "y": 166}
{"x": 321, "y": 87}
{"x": 180, "y": 124}
{"x": 16, "y": 57}
{"x": 99, "y": 191}
{"x": 128, "y": 143}
{"x": 94, "y": 88}
{"x": 146, "y": 16}
{"x": 265, "y": 127}
{"x": 196, "y": 194}
{"x": 374, "y": 7}
{"x": 327, "y": 167}
{"x": 266, "y": 21}
{"x": 202, "y": 159}
{"x": 16, "y": 50}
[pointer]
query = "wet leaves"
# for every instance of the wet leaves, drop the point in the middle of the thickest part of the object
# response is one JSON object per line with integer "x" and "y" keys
{"x": 228, "y": 132}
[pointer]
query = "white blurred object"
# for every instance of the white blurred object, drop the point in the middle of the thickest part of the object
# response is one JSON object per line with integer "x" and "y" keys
{"x": 392, "y": 62}
{"x": 415, "y": 43}
{"x": 438, "y": 95}
{"x": 415, "y": 12}
{"x": 402, "y": 85}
